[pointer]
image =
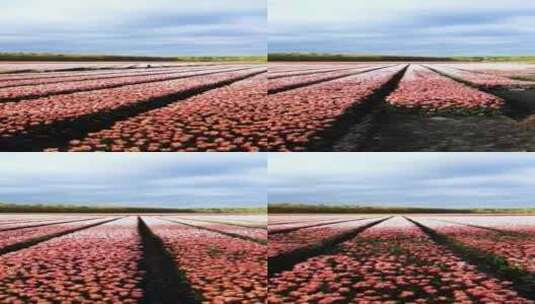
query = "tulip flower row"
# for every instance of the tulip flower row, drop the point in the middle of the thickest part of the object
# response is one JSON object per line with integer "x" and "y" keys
{"x": 521, "y": 224}
{"x": 276, "y": 75}
{"x": 283, "y": 243}
{"x": 20, "y": 223}
{"x": 95, "y": 265}
{"x": 18, "y": 93}
{"x": 22, "y": 116}
{"x": 393, "y": 262}
{"x": 255, "y": 233}
{"x": 41, "y": 67}
{"x": 483, "y": 79}
{"x": 297, "y": 116}
{"x": 283, "y": 219}
{"x": 249, "y": 220}
{"x": 51, "y": 220}
{"x": 283, "y": 84}
{"x": 289, "y": 73}
{"x": 108, "y": 71}
{"x": 299, "y": 225}
{"x": 221, "y": 269}
{"x": 12, "y": 237}
{"x": 231, "y": 118}
{"x": 422, "y": 88}
{"x": 519, "y": 251}
{"x": 76, "y": 77}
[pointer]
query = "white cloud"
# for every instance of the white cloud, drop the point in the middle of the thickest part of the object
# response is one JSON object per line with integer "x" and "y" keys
{"x": 414, "y": 179}
{"x": 402, "y": 26}
{"x": 124, "y": 27}
{"x": 153, "y": 179}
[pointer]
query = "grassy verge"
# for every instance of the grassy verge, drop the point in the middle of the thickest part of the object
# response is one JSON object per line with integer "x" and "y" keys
{"x": 15, "y": 208}
{"x": 303, "y": 208}
{"x": 105, "y": 58}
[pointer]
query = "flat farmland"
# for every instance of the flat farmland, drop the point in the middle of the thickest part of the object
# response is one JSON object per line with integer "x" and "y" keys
{"x": 401, "y": 259}
{"x": 123, "y": 258}
{"x": 133, "y": 107}
{"x": 423, "y": 106}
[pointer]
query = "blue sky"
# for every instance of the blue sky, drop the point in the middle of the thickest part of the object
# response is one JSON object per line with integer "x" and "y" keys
{"x": 415, "y": 27}
{"x": 137, "y": 27}
{"x": 452, "y": 180}
{"x": 135, "y": 179}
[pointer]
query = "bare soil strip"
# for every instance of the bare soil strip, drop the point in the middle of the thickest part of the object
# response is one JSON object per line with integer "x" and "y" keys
{"x": 164, "y": 282}
{"x": 352, "y": 129}
{"x": 317, "y": 81}
{"x": 523, "y": 281}
{"x": 381, "y": 127}
{"x": 47, "y": 224}
{"x": 110, "y": 86}
{"x": 519, "y": 103}
{"x": 59, "y": 133}
{"x": 234, "y": 235}
{"x": 287, "y": 261}
{"x": 35, "y": 241}
{"x": 291, "y": 229}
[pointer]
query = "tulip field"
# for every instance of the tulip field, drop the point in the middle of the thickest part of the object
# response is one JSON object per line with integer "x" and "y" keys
{"x": 401, "y": 259}
{"x": 205, "y": 107}
{"x": 93, "y": 258}
{"x": 133, "y": 107}
{"x": 425, "y": 106}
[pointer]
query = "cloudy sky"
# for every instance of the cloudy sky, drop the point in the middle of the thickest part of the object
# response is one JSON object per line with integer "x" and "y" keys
{"x": 417, "y": 27}
{"x": 138, "y": 27}
{"x": 132, "y": 179}
{"x": 452, "y": 180}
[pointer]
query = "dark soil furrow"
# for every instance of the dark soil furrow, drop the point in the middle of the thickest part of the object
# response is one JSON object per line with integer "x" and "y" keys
{"x": 519, "y": 103}
{"x": 352, "y": 129}
{"x": 163, "y": 282}
{"x": 390, "y": 129}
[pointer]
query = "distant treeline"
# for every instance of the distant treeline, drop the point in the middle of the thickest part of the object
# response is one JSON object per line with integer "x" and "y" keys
{"x": 303, "y": 208}
{"x": 371, "y": 58}
{"x": 105, "y": 58}
{"x": 41, "y": 208}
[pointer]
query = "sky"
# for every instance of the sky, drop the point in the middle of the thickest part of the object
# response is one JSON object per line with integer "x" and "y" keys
{"x": 135, "y": 27}
{"x": 440, "y": 180}
{"x": 179, "y": 180}
{"x": 415, "y": 27}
